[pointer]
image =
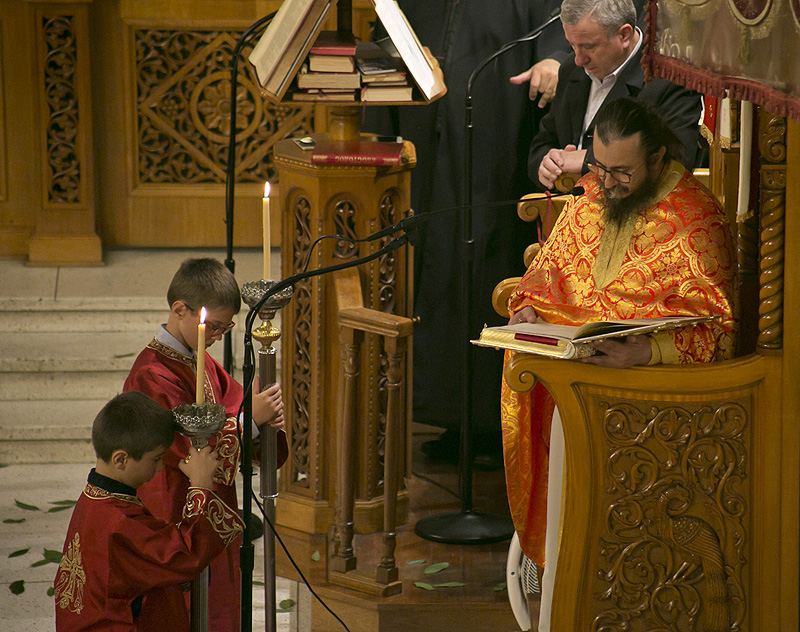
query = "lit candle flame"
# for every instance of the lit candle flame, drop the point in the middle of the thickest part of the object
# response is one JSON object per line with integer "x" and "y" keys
{"x": 202, "y": 314}
{"x": 266, "y": 189}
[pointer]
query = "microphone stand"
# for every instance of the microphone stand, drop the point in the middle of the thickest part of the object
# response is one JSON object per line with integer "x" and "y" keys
{"x": 230, "y": 174}
{"x": 247, "y": 555}
{"x": 468, "y": 526}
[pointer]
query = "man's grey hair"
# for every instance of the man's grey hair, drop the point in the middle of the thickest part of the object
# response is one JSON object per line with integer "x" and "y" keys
{"x": 612, "y": 15}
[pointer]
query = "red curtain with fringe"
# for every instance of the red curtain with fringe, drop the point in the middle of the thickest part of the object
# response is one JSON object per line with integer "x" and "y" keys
{"x": 744, "y": 49}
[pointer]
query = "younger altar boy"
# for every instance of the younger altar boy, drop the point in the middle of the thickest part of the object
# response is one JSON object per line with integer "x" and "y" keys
{"x": 122, "y": 568}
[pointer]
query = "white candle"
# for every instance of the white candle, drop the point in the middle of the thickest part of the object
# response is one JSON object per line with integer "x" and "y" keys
{"x": 745, "y": 153}
{"x": 265, "y": 220}
{"x": 200, "y": 397}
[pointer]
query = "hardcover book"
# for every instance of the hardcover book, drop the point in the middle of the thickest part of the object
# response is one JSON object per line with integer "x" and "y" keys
{"x": 332, "y": 80}
{"x": 345, "y": 152}
{"x": 568, "y": 342}
{"x": 334, "y": 43}
{"x": 286, "y": 42}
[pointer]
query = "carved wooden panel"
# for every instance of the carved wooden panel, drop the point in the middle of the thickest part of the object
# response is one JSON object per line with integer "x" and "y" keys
{"x": 60, "y": 111}
{"x": 183, "y": 110}
{"x": 772, "y": 146}
{"x": 671, "y": 553}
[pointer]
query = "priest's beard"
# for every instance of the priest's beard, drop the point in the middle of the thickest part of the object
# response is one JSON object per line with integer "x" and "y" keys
{"x": 619, "y": 209}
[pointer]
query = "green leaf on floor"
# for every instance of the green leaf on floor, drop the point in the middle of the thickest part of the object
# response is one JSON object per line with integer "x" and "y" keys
{"x": 257, "y": 582}
{"x": 52, "y": 556}
{"x": 416, "y": 562}
{"x": 51, "y": 591}
{"x": 286, "y": 604}
{"x": 49, "y": 556}
{"x": 68, "y": 503}
{"x": 59, "y": 508}
{"x": 125, "y": 355}
{"x": 3, "y": 465}
{"x": 17, "y": 587}
{"x": 315, "y": 556}
{"x": 436, "y": 568}
{"x": 500, "y": 587}
{"x": 18, "y": 553}
{"x": 450, "y": 585}
{"x": 25, "y": 506}
{"x": 424, "y": 586}
{"x": 13, "y": 520}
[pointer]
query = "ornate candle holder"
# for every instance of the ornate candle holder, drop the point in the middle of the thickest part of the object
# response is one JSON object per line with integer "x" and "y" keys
{"x": 266, "y": 334}
{"x": 199, "y": 422}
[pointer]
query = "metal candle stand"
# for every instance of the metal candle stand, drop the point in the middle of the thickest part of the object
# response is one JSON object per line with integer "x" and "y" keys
{"x": 200, "y": 422}
{"x": 266, "y": 334}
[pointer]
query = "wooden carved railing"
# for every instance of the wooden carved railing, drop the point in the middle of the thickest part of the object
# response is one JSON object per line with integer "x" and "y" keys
{"x": 354, "y": 321}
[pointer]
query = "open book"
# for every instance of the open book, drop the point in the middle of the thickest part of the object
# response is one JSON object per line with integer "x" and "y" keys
{"x": 567, "y": 342}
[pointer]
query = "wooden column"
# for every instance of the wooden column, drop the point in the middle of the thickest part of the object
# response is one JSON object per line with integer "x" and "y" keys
{"x": 64, "y": 232}
{"x": 318, "y": 200}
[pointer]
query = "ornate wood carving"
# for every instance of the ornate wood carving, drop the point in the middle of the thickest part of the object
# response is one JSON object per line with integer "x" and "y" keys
{"x": 61, "y": 111}
{"x": 183, "y": 114}
{"x": 302, "y": 305}
{"x": 672, "y": 556}
{"x": 772, "y": 145}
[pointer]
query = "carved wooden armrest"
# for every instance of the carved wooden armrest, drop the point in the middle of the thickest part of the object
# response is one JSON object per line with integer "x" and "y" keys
{"x": 372, "y": 321}
{"x": 502, "y": 292}
{"x": 566, "y": 182}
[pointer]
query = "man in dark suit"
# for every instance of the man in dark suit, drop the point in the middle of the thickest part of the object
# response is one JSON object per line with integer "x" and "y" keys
{"x": 606, "y": 66}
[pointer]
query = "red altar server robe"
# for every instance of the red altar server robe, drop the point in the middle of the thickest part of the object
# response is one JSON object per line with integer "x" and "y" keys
{"x": 169, "y": 378}
{"x": 118, "y": 555}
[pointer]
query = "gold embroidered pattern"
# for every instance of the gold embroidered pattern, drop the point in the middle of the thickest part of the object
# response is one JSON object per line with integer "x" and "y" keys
{"x": 71, "y": 578}
{"x": 228, "y": 451}
{"x": 170, "y": 353}
{"x": 96, "y": 493}
{"x": 224, "y": 521}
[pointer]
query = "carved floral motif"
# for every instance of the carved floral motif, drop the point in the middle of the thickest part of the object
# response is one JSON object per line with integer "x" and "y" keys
{"x": 301, "y": 366}
{"x": 671, "y": 557}
{"x": 61, "y": 110}
{"x": 183, "y": 110}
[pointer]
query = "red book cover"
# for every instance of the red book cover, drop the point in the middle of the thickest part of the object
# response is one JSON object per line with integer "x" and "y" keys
{"x": 334, "y": 43}
{"x": 345, "y": 152}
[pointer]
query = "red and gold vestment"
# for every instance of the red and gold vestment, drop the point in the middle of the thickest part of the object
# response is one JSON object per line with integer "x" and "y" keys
{"x": 116, "y": 552}
{"x": 673, "y": 259}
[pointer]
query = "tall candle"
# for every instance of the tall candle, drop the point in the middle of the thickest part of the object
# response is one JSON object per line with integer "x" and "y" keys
{"x": 200, "y": 396}
{"x": 745, "y": 154}
{"x": 265, "y": 220}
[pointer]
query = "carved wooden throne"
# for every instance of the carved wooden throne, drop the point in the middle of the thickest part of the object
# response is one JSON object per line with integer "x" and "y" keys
{"x": 679, "y": 478}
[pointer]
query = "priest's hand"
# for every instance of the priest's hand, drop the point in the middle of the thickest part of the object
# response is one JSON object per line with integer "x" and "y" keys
{"x": 268, "y": 405}
{"x": 558, "y": 161}
{"x": 526, "y": 315}
{"x": 543, "y": 78}
{"x": 199, "y": 466}
{"x": 634, "y": 351}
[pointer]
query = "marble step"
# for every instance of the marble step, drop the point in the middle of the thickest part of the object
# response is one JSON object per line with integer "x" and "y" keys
{"x": 48, "y": 431}
{"x": 24, "y": 315}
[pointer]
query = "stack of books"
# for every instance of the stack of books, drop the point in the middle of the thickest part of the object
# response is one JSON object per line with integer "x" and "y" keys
{"x": 383, "y": 73}
{"x": 329, "y": 73}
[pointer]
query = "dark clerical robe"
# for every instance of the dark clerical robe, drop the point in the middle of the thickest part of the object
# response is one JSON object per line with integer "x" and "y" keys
{"x": 122, "y": 567}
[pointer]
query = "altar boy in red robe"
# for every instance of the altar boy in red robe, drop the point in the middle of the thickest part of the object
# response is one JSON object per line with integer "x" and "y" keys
{"x": 166, "y": 371}
{"x": 122, "y": 568}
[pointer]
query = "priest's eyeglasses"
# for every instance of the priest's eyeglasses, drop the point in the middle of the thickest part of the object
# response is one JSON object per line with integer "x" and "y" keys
{"x": 214, "y": 328}
{"x": 623, "y": 177}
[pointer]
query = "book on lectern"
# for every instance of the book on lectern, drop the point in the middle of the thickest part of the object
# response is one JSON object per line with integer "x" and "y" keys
{"x": 569, "y": 342}
{"x": 285, "y": 45}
